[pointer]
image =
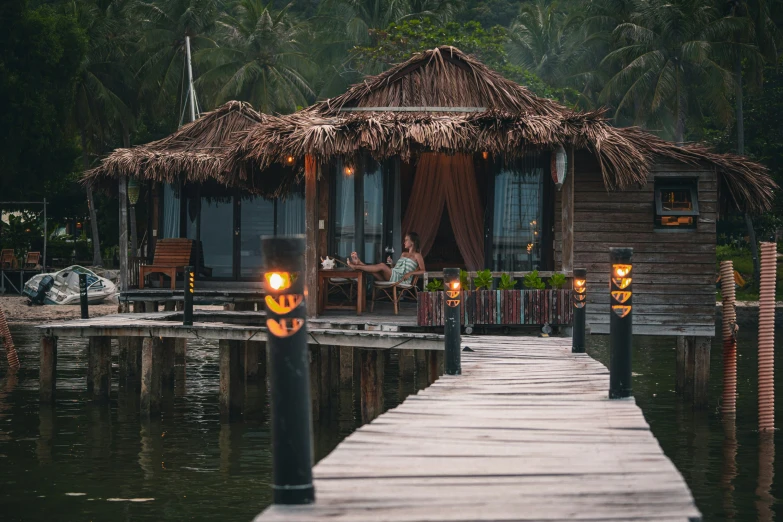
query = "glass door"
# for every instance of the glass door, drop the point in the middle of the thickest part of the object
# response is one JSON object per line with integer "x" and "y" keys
{"x": 217, "y": 236}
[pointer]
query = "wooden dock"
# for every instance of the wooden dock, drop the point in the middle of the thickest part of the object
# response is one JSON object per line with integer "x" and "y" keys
{"x": 525, "y": 433}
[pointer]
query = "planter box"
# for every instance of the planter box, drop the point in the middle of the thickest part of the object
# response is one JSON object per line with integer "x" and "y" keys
{"x": 501, "y": 307}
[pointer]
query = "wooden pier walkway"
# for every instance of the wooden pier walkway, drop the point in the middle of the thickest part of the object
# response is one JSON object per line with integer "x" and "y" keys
{"x": 525, "y": 433}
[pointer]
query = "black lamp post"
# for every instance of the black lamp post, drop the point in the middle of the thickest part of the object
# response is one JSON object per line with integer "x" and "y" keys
{"x": 452, "y": 363}
{"x": 579, "y": 298}
{"x": 620, "y": 322}
{"x": 83, "y": 296}
{"x": 289, "y": 373}
{"x": 190, "y": 284}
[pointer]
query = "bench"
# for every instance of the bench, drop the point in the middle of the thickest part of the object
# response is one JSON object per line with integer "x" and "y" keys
{"x": 172, "y": 255}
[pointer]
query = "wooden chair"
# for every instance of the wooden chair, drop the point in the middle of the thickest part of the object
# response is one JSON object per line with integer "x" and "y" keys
{"x": 407, "y": 286}
{"x": 342, "y": 287}
{"x": 171, "y": 257}
{"x": 32, "y": 261}
{"x": 8, "y": 259}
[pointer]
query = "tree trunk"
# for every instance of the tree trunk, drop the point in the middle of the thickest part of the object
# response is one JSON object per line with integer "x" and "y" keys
{"x": 96, "y": 242}
{"x": 679, "y": 131}
{"x": 738, "y": 95}
{"x": 132, "y": 209}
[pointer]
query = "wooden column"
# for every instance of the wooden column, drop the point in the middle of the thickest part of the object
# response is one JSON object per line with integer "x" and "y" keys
{"x": 123, "y": 200}
{"x": 311, "y": 227}
{"x": 315, "y": 380}
{"x": 681, "y": 373}
{"x": 334, "y": 371}
{"x": 325, "y": 370}
{"x": 252, "y": 350}
{"x": 346, "y": 366}
{"x": 372, "y": 367}
{"x": 407, "y": 364}
{"x": 701, "y": 372}
{"x": 180, "y": 350}
{"x": 99, "y": 368}
{"x": 567, "y": 214}
{"x": 231, "y": 379}
{"x": 432, "y": 365}
{"x": 47, "y": 374}
{"x": 167, "y": 371}
{"x": 422, "y": 371}
{"x": 151, "y": 365}
{"x": 693, "y": 369}
{"x": 130, "y": 360}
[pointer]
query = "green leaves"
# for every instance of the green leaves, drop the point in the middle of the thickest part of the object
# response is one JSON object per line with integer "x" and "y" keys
{"x": 483, "y": 280}
{"x": 506, "y": 283}
{"x": 436, "y": 285}
{"x": 532, "y": 281}
{"x": 557, "y": 281}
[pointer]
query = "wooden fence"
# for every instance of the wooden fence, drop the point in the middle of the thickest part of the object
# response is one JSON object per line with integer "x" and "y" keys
{"x": 500, "y": 307}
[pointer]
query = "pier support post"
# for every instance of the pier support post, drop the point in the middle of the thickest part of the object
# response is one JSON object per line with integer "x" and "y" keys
{"x": 701, "y": 372}
{"x": 47, "y": 375}
{"x": 231, "y": 379}
{"x": 346, "y": 366}
{"x": 372, "y": 368}
{"x": 432, "y": 366}
{"x": 422, "y": 369}
{"x": 151, "y": 363}
{"x": 334, "y": 372}
{"x": 407, "y": 364}
{"x": 133, "y": 361}
{"x": 180, "y": 350}
{"x": 325, "y": 367}
{"x": 251, "y": 352}
{"x": 315, "y": 380}
{"x": 99, "y": 368}
{"x": 167, "y": 371}
{"x": 693, "y": 369}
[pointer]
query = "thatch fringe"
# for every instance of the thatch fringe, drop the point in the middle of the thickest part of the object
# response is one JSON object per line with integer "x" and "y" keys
{"x": 195, "y": 152}
{"x": 513, "y": 123}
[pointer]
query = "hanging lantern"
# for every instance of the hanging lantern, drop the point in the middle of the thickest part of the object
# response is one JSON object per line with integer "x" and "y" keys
{"x": 559, "y": 166}
{"x": 133, "y": 191}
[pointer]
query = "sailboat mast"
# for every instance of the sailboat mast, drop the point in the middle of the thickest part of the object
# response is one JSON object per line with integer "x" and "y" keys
{"x": 191, "y": 90}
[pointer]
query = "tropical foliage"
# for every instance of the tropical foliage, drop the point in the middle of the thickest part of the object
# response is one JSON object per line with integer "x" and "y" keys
{"x": 89, "y": 76}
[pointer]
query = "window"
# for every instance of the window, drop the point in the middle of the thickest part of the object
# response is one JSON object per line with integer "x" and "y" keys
{"x": 676, "y": 203}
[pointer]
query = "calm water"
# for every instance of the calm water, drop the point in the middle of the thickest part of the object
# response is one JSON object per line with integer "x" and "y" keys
{"x": 84, "y": 462}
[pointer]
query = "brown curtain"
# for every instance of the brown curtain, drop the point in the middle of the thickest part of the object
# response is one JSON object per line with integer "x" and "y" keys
{"x": 451, "y": 180}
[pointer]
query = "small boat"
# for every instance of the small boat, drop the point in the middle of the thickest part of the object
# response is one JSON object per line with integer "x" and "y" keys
{"x": 62, "y": 288}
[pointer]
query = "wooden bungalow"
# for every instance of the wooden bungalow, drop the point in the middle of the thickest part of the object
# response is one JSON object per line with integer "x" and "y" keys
{"x": 490, "y": 176}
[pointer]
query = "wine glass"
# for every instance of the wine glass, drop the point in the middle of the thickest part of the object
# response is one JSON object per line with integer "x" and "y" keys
{"x": 389, "y": 254}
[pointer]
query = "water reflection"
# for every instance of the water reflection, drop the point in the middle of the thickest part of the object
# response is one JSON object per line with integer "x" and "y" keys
{"x": 765, "y": 500}
{"x": 726, "y": 462}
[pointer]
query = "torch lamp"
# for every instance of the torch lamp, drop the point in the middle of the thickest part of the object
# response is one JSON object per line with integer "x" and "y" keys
{"x": 453, "y": 339}
{"x": 620, "y": 322}
{"x": 289, "y": 374}
{"x": 83, "y": 296}
{"x": 133, "y": 191}
{"x": 579, "y": 299}
{"x": 190, "y": 287}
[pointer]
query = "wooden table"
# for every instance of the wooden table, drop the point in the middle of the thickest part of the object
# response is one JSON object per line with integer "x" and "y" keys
{"x": 347, "y": 273}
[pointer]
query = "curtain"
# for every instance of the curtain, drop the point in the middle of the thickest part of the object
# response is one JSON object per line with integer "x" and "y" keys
{"x": 290, "y": 215}
{"x": 447, "y": 180}
{"x": 344, "y": 213}
{"x": 170, "y": 212}
{"x": 373, "y": 212}
{"x": 516, "y": 237}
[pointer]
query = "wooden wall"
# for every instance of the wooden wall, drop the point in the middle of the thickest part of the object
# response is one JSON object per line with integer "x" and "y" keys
{"x": 674, "y": 272}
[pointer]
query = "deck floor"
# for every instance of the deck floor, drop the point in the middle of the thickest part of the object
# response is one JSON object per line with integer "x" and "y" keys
{"x": 525, "y": 433}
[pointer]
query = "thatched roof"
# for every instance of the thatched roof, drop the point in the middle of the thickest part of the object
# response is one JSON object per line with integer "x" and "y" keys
{"x": 195, "y": 152}
{"x": 446, "y": 101}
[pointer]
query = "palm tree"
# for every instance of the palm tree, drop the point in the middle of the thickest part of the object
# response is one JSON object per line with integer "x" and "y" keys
{"x": 668, "y": 66}
{"x": 259, "y": 59}
{"x": 551, "y": 42}
{"x": 755, "y": 43}
{"x": 165, "y": 24}
{"x": 103, "y": 85}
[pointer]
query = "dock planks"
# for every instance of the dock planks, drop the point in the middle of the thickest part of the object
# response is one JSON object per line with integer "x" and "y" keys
{"x": 525, "y": 433}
